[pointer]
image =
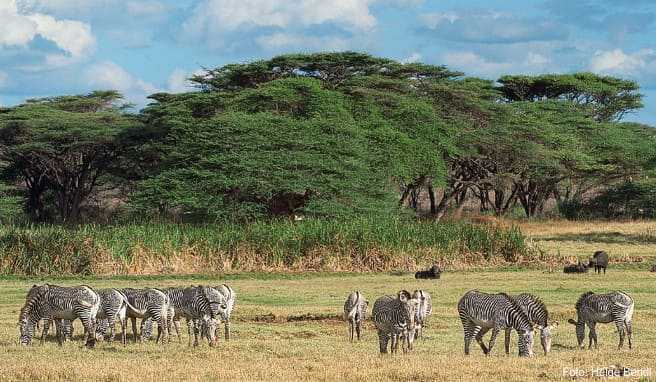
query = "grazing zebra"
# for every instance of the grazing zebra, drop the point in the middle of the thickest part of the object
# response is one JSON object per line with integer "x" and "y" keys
{"x": 594, "y": 308}
{"x": 479, "y": 312}
{"x": 113, "y": 307}
{"x": 395, "y": 320}
{"x": 539, "y": 315}
{"x": 355, "y": 312}
{"x": 200, "y": 306}
{"x": 230, "y": 299}
{"x": 57, "y": 303}
{"x": 425, "y": 310}
{"x": 147, "y": 304}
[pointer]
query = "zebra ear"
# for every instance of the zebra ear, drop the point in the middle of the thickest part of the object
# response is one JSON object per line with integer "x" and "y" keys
{"x": 404, "y": 295}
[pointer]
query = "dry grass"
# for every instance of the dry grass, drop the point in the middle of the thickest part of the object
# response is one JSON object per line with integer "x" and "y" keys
{"x": 266, "y": 346}
{"x": 626, "y": 242}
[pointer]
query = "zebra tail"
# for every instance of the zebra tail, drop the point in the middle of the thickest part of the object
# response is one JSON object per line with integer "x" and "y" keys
{"x": 354, "y": 309}
{"x": 125, "y": 299}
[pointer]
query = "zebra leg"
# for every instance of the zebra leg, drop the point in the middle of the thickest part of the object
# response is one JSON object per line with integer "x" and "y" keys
{"x": 134, "y": 329}
{"x": 351, "y": 329}
{"x": 394, "y": 346}
{"x": 469, "y": 332}
{"x": 90, "y": 329}
{"x": 620, "y": 332}
{"x": 124, "y": 324}
{"x": 382, "y": 341}
{"x": 358, "y": 329}
{"x": 44, "y": 333}
{"x": 493, "y": 338}
{"x": 480, "y": 332}
{"x": 592, "y": 335}
{"x": 629, "y": 329}
{"x": 507, "y": 340}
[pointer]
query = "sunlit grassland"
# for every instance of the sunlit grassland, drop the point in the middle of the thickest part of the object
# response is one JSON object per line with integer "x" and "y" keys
{"x": 266, "y": 346}
{"x": 629, "y": 241}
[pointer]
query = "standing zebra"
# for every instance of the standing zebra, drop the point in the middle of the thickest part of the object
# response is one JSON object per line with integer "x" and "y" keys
{"x": 395, "y": 319}
{"x": 200, "y": 306}
{"x": 539, "y": 315}
{"x": 230, "y": 299}
{"x": 355, "y": 312}
{"x": 594, "y": 308}
{"x": 425, "y": 310}
{"x": 146, "y": 304}
{"x": 479, "y": 312}
{"x": 57, "y": 303}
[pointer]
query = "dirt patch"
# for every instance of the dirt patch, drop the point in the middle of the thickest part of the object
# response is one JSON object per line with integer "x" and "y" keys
{"x": 314, "y": 317}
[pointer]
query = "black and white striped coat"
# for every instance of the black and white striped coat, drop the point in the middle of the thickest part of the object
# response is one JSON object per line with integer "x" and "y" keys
{"x": 59, "y": 303}
{"x": 230, "y": 297}
{"x": 479, "y": 312}
{"x": 148, "y": 304}
{"x": 200, "y": 306}
{"x": 394, "y": 318}
{"x": 539, "y": 315}
{"x": 355, "y": 312}
{"x": 425, "y": 309}
{"x": 592, "y": 308}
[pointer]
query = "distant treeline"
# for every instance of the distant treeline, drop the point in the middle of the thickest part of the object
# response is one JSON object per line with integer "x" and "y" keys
{"x": 330, "y": 135}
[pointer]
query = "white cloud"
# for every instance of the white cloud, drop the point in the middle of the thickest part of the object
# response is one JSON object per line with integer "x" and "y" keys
{"x": 108, "y": 75}
{"x": 537, "y": 59}
{"x": 414, "y": 57}
{"x": 473, "y": 64}
{"x": 617, "y": 62}
{"x": 285, "y": 40}
{"x": 178, "y": 81}
{"x": 73, "y": 38}
{"x": 212, "y": 19}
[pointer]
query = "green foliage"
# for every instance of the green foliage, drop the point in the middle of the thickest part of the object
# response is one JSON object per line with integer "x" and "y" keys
{"x": 607, "y": 98}
{"x": 628, "y": 200}
{"x": 10, "y": 204}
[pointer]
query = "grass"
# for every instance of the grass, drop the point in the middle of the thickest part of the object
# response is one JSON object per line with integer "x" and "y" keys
{"x": 358, "y": 245}
{"x": 267, "y": 345}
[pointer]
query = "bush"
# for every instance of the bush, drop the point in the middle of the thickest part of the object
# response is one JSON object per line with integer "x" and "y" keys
{"x": 629, "y": 200}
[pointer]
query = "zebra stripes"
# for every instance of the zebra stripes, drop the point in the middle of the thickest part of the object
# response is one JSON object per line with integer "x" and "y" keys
{"x": 355, "y": 312}
{"x": 57, "y": 303}
{"x": 394, "y": 318}
{"x": 594, "y": 308}
{"x": 425, "y": 309}
{"x": 200, "y": 306}
{"x": 479, "y": 312}
{"x": 539, "y": 315}
{"x": 146, "y": 304}
{"x": 230, "y": 300}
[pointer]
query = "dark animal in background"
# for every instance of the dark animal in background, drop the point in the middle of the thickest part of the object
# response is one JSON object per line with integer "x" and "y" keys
{"x": 576, "y": 268}
{"x": 599, "y": 260}
{"x": 432, "y": 273}
{"x": 653, "y": 268}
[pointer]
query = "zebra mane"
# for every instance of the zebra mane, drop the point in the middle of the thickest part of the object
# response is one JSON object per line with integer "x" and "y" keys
{"x": 582, "y": 298}
{"x": 537, "y": 301}
{"x": 518, "y": 309}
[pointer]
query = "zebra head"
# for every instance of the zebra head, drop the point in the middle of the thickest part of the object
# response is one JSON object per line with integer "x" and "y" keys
{"x": 580, "y": 331}
{"x": 545, "y": 336}
{"x": 218, "y": 303}
{"x": 208, "y": 329}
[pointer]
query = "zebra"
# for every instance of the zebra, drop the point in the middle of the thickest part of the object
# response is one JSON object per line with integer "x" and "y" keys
{"x": 147, "y": 304}
{"x": 394, "y": 318}
{"x": 57, "y": 303}
{"x": 539, "y": 315}
{"x": 425, "y": 310}
{"x": 592, "y": 308}
{"x": 355, "y": 312}
{"x": 479, "y": 312}
{"x": 200, "y": 306}
{"x": 63, "y": 328}
{"x": 230, "y": 299}
{"x": 113, "y": 307}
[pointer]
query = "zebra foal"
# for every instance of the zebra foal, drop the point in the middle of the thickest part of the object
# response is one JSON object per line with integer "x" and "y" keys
{"x": 539, "y": 315}
{"x": 479, "y": 312}
{"x": 355, "y": 312}
{"x": 394, "y": 318}
{"x": 59, "y": 303}
{"x": 592, "y": 308}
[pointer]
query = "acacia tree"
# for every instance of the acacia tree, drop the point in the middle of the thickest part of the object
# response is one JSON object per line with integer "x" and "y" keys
{"x": 62, "y": 146}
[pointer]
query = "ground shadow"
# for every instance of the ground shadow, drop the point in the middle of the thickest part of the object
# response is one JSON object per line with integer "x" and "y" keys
{"x": 604, "y": 237}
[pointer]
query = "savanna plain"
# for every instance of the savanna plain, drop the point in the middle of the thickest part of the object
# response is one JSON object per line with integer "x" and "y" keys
{"x": 287, "y": 326}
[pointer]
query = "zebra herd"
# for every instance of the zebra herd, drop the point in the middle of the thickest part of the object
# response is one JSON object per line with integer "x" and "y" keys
{"x": 402, "y": 318}
{"x": 203, "y": 308}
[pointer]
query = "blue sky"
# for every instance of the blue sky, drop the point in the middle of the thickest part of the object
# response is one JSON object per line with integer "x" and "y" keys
{"x": 53, "y": 47}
